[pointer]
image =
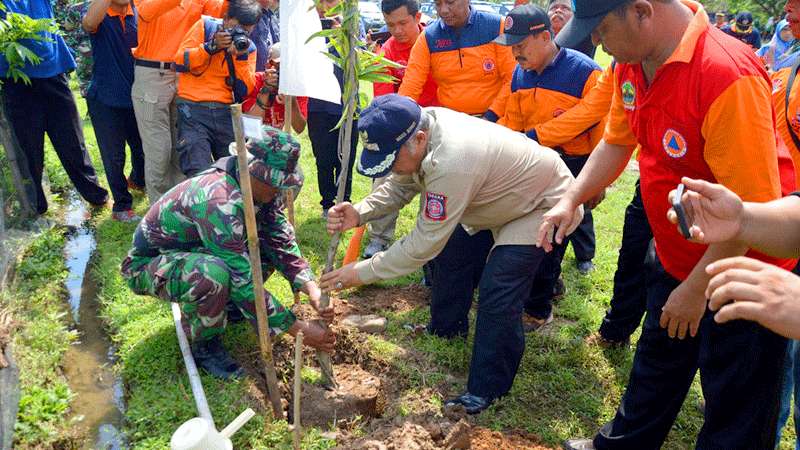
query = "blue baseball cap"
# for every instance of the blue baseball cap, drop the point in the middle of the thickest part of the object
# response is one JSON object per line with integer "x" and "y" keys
{"x": 384, "y": 126}
{"x": 587, "y": 16}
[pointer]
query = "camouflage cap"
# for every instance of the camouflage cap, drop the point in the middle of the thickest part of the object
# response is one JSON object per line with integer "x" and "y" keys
{"x": 274, "y": 159}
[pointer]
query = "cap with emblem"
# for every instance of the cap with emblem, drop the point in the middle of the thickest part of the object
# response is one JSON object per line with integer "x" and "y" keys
{"x": 384, "y": 126}
{"x": 744, "y": 21}
{"x": 587, "y": 16}
{"x": 521, "y": 22}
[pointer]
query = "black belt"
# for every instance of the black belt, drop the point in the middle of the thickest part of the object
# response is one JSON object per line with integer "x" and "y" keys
{"x": 155, "y": 64}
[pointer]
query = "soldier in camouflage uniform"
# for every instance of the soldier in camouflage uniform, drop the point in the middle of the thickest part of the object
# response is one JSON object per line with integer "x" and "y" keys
{"x": 191, "y": 248}
{"x": 68, "y": 17}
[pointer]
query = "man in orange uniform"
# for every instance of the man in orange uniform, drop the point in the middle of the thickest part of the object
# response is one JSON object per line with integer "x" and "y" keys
{"x": 473, "y": 75}
{"x": 216, "y": 64}
{"x": 548, "y": 81}
{"x": 690, "y": 96}
{"x": 162, "y": 26}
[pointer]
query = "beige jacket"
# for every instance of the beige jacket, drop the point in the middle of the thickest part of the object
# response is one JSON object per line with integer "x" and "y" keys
{"x": 477, "y": 174}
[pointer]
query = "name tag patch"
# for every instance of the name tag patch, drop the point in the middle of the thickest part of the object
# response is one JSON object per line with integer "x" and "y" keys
{"x": 435, "y": 206}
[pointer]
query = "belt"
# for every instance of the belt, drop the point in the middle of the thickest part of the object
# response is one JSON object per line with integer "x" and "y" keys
{"x": 207, "y": 105}
{"x": 155, "y": 64}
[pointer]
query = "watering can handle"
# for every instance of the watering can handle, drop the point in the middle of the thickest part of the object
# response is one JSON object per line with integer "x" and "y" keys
{"x": 237, "y": 423}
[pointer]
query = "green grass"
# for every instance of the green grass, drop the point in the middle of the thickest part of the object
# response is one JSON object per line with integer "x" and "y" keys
{"x": 564, "y": 387}
{"x": 36, "y": 300}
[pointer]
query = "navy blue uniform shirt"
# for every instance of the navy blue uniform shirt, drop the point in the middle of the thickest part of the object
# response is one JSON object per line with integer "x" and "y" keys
{"x": 112, "y": 73}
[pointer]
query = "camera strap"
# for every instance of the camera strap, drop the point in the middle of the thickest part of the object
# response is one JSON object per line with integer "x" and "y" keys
{"x": 231, "y": 81}
{"x": 792, "y": 77}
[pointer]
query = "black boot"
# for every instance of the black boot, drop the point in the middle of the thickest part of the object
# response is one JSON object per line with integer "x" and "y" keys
{"x": 234, "y": 313}
{"x": 472, "y": 404}
{"x": 212, "y": 356}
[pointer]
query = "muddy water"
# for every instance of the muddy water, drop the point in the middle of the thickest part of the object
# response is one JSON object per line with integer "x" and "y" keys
{"x": 98, "y": 401}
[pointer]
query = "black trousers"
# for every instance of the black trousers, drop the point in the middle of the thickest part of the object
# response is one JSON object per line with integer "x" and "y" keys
{"x": 325, "y": 145}
{"x": 539, "y": 303}
{"x": 204, "y": 135}
{"x": 499, "y": 337}
{"x": 47, "y": 106}
{"x": 582, "y": 239}
{"x": 741, "y": 369}
{"x": 455, "y": 273}
{"x": 113, "y": 128}
{"x": 629, "y": 299}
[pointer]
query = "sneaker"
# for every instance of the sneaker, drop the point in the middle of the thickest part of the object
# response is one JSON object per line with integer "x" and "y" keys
{"x": 472, "y": 404}
{"x": 214, "y": 359}
{"x": 531, "y": 324}
{"x": 578, "y": 444}
{"x": 133, "y": 186}
{"x": 600, "y": 341}
{"x": 584, "y": 267}
{"x": 127, "y": 216}
{"x": 559, "y": 289}
{"x": 374, "y": 247}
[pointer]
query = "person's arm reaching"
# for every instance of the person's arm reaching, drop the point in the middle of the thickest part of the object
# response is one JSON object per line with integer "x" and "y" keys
{"x": 194, "y": 53}
{"x": 95, "y": 15}
{"x": 419, "y": 66}
{"x": 245, "y": 65}
{"x": 390, "y": 196}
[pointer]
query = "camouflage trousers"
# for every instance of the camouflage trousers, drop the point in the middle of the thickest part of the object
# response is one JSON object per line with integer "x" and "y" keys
{"x": 200, "y": 284}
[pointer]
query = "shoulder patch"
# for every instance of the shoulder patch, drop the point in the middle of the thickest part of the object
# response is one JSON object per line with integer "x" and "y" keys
{"x": 435, "y": 206}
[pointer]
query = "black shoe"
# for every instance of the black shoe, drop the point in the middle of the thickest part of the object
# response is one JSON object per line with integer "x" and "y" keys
{"x": 214, "y": 359}
{"x": 601, "y": 341}
{"x": 234, "y": 313}
{"x": 578, "y": 444}
{"x": 559, "y": 289}
{"x": 471, "y": 403}
{"x": 584, "y": 267}
{"x": 531, "y": 323}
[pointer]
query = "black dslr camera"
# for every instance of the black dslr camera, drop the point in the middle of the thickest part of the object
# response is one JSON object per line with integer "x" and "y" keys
{"x": 241, "y": 41}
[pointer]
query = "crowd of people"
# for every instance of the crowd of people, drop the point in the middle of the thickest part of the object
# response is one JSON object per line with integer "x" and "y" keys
{"x": 509, "y": 132}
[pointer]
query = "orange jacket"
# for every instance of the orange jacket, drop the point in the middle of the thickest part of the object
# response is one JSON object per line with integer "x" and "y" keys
{"x": 202, "y": 76}
{"x": 163, "y": 23}
{"x": 472, "y": 72}
{"x": 780, "y": 80}
{"x": 539, "y": 97}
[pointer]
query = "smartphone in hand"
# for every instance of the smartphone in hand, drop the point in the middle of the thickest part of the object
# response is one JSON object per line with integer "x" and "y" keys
{"x": 677, "y": 206}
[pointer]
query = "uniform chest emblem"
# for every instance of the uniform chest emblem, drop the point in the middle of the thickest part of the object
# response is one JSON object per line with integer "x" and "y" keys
{"x": 674, "y": 143}
{"x": 435, "y": 206}
{"x": 628, "y": 96}
{"x": 509, "y": 23}
{"x": 558, "y": 112}
{"x": 488, "y": 65}
{"x": 777, "y": 84}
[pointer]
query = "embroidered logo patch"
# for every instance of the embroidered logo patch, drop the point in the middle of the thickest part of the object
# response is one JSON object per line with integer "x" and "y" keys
{"x": 443, "y": 43}
{"x": 488, "y": 65}
{"x": 558, "y": 112}
{"x": 435, "y": 206}
{"x": 628, "y": 96}
{"x": 674, "y": 143}
{"x": 371, "y": 146}
{"x": 509, "y": 23}
{"x": 777, "y": 84}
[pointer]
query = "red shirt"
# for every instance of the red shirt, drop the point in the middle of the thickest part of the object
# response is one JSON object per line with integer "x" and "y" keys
{"x": 400, "y": 53}
{"x": 275, "y": 115}
{"x": 706, "y": 114}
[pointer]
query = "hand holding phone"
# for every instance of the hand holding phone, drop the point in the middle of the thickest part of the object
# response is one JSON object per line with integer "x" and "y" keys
{"x": 677, "y": 206}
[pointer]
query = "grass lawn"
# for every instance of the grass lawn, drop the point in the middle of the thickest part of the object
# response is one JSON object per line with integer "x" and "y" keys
{"x": 564, "y": 388}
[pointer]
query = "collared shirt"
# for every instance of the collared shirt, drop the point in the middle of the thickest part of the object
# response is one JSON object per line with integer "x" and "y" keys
{"x": 538, "y": 97}
{"x": 476, "y": 174}
{"x": 202, "y": 76}
{"x": 53, "y": 51}
{"x": 706, "y": 114}
{"x": 266, "y": 32}
{"x": 752, "y": 38}
{"x": 112, "y": 74}
{"x": 164, "y": 23}
{"x": 400, "y": 53}
{"x": 472, "y": 72}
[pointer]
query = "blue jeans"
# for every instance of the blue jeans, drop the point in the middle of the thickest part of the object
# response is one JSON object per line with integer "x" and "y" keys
{"x": 205, "y": 130}
{"x": 791, "y": 377}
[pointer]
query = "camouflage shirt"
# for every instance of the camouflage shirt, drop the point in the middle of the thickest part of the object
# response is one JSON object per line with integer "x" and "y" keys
{"x": 206, "y": 214}
{"x": 68, "y": 16}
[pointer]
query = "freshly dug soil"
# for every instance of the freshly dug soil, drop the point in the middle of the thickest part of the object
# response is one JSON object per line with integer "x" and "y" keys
{"x": 359, "y": 394}
{"x": 485, "y": 439}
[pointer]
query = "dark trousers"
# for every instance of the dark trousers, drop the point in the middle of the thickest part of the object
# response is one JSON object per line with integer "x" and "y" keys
{"x": 205, "y": 131}
{"x": 113, "y": 128}
{"x": 455, "y": 273}
{"x": 629, "y": 298}
{"x": 325, "y": 145}
{"x": 539, "y": 303}
{"x": 47, "y": 106}
{"x": 741, "y": 368}
{"x": 499, "y": 337}
{"x": 582, "y": 239}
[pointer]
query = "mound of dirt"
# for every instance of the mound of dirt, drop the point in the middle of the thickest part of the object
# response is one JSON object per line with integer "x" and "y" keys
{"x": 485, "y": 439}
{"x": 359, "y": 394}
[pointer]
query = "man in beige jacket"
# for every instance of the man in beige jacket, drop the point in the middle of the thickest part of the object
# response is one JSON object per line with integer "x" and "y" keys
{"x": 473, "y": 174}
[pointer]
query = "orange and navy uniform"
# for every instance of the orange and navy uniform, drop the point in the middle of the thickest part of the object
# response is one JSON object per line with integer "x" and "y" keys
{"x": 588, "y": 114}
{"x": 164, "y": 23}
{"x": 780, "y": 80}
{"x": 538, "y": 97}
{"x": 706, "y": 114}
{"x": 400, "y": 53}
{"x": 203, "y": 74}
{"x": 472, "y": 72}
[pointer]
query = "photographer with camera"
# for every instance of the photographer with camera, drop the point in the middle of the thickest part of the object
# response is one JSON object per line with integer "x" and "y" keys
{"x": 216, "y": 65}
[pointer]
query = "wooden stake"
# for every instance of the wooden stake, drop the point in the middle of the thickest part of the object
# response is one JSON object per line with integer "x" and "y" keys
{"x": 255, "y": 264}
{"x": 298, "y": 382}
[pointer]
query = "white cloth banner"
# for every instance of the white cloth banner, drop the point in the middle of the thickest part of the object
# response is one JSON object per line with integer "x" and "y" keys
{"x": 305, "y": 70}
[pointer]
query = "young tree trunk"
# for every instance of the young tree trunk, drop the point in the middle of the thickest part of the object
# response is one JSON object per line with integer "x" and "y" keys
{"x": 19, "y": 169}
